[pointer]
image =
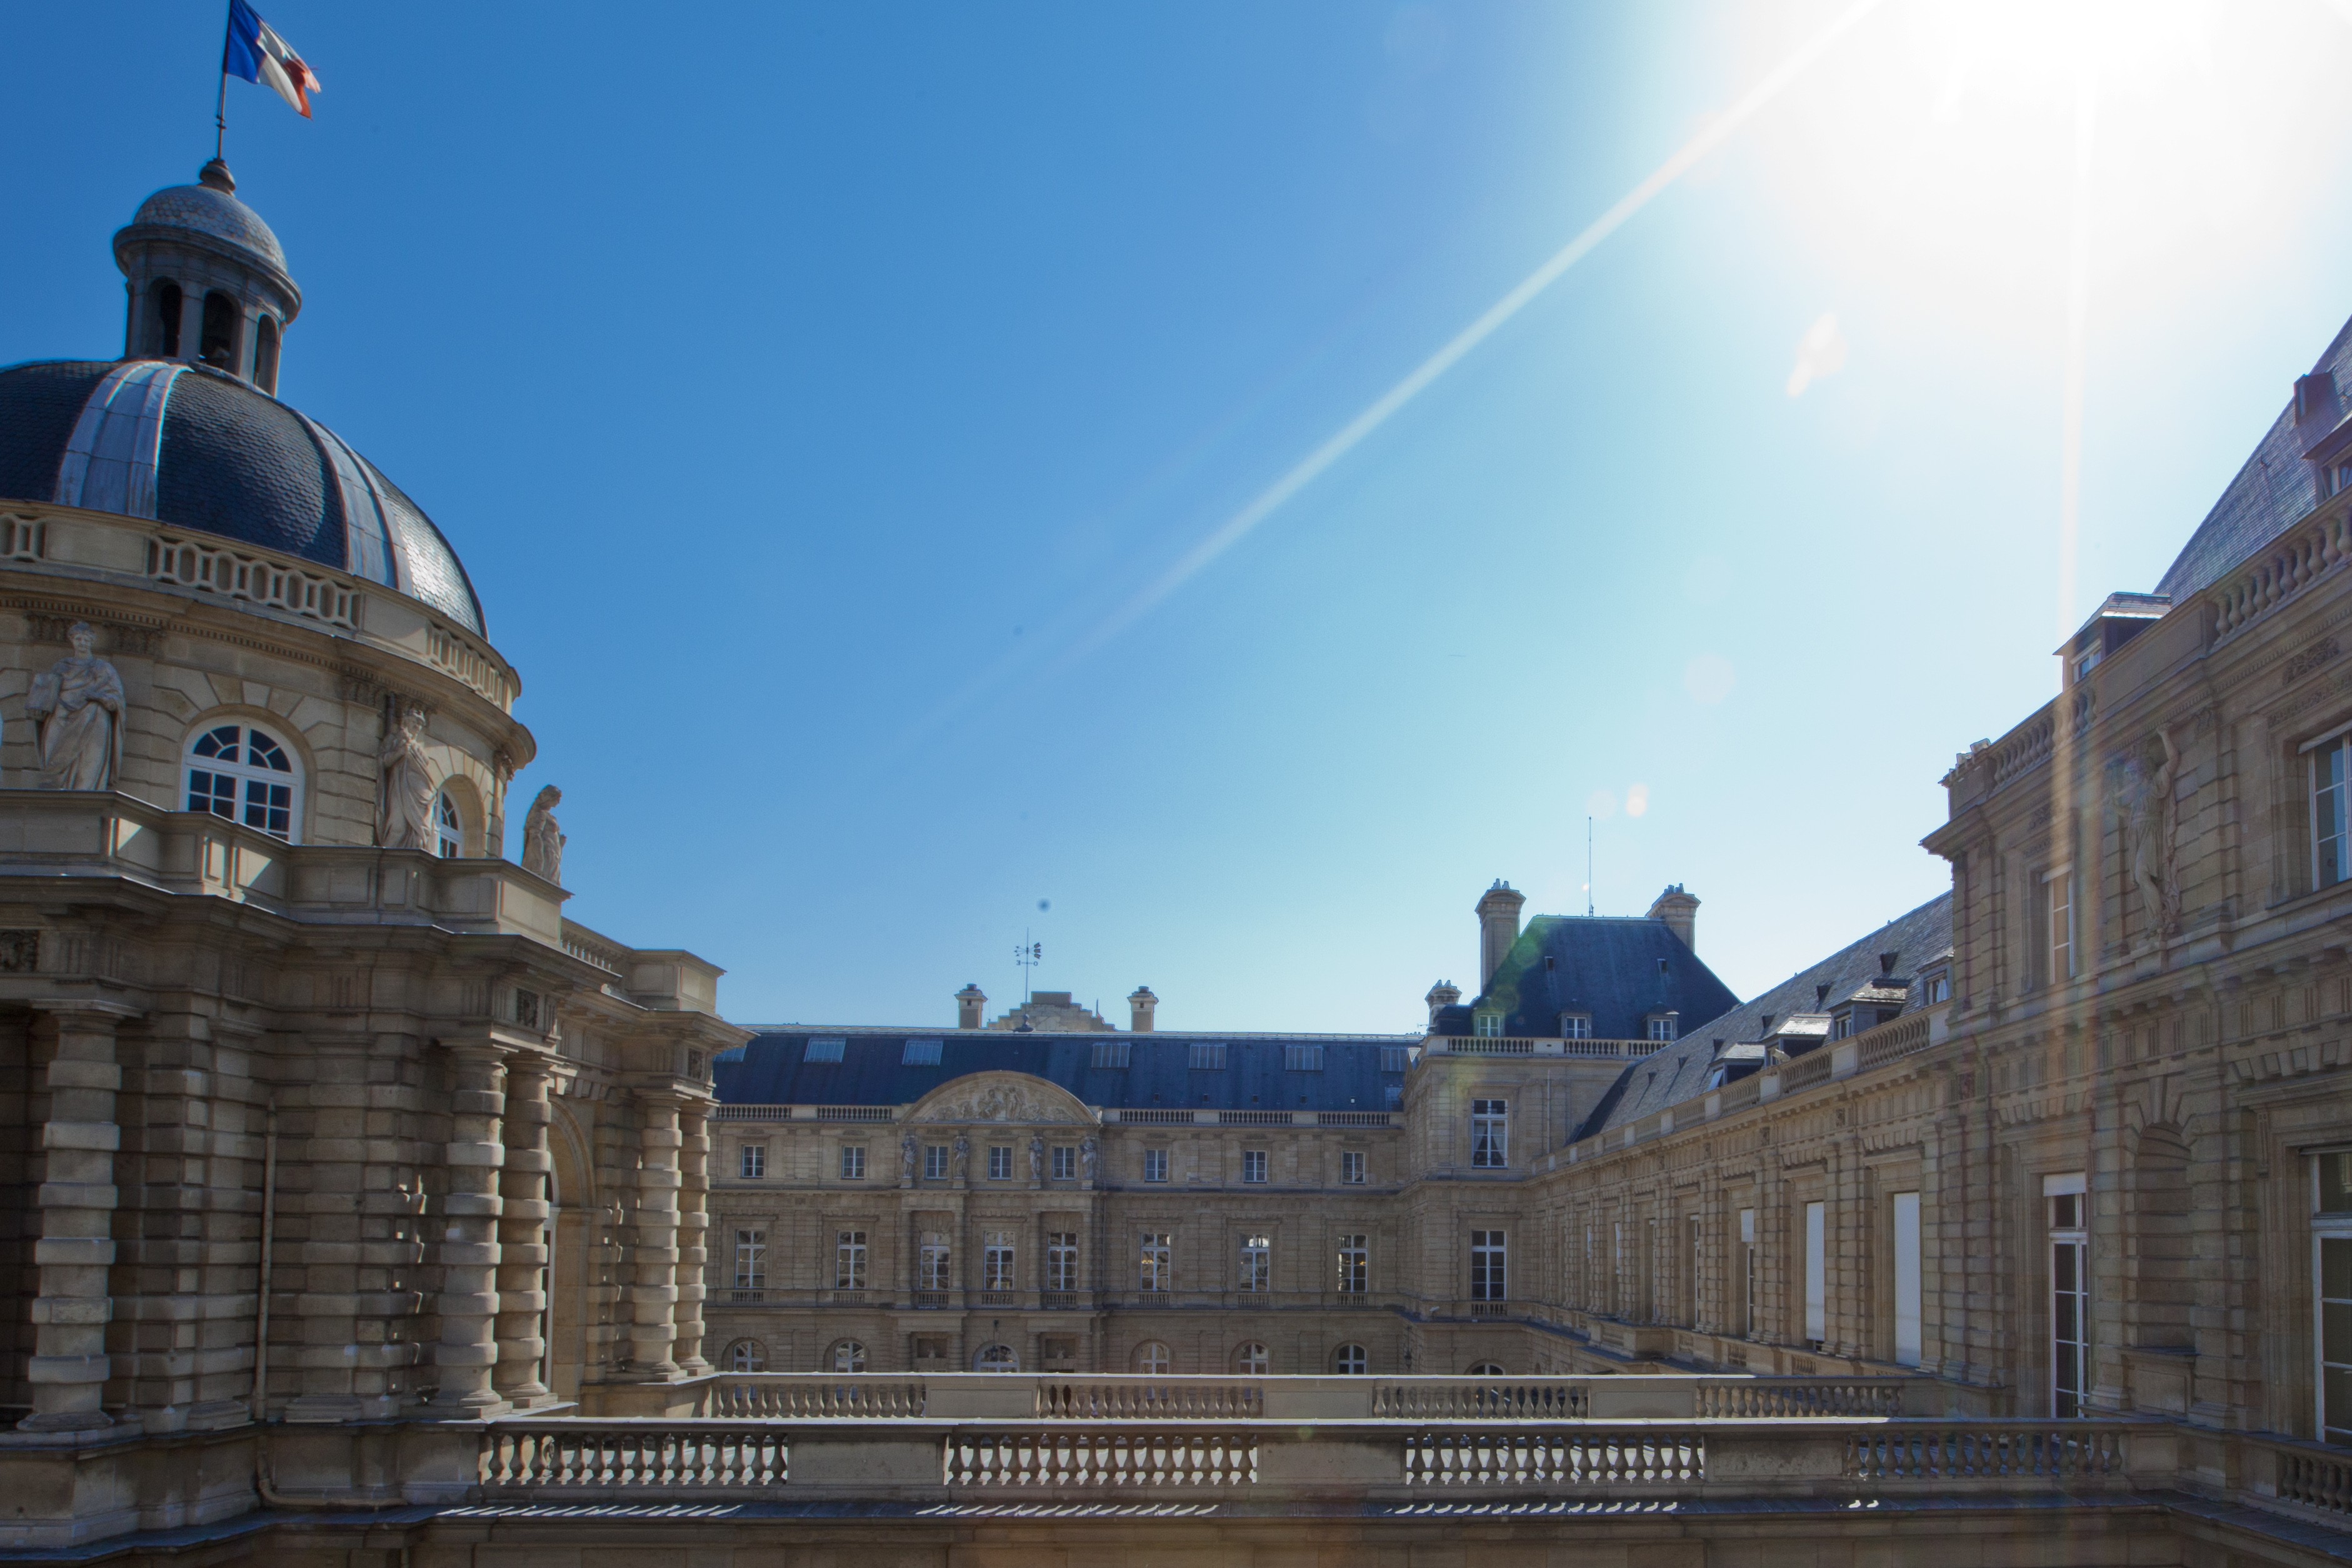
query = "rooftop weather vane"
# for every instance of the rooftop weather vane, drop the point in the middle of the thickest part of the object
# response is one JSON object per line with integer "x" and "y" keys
{"x": 253, "y": 52}
{"x": 1028, "y": 955}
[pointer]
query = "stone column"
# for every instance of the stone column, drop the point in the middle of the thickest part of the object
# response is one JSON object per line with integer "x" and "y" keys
{"x": 522, "y": 1280}
{"x": 76, "y": 1201}
{"x": 469, "y": 1302}
{"x": 652, "y": 1288}
{"x": 693, "y": 1235}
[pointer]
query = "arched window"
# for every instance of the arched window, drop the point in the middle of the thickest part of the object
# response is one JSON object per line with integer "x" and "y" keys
{"x": 996, "y": 1358}
{"x": 1351, "y": 1361}
{"x": 245, "y": 775}
{"x": 164, "y": 331}
{"x": 1486, "y": 1369}
{"x": 1152, "y": 1358}
{"x": 747, "y": 1356}
{"x": 448, "y": 828}
{"x": 218, "y": 348}
{"x": 848, "y": 1355}
{"x": 1251, "y": 1360}
{"x": 265, "y": 354}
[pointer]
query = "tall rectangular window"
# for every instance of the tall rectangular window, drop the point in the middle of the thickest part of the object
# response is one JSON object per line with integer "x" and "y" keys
{"x": 2331, "y": 812}
{"x": 1490, "y": 1266}
{"x": 1000, "y": 1162}
{"x": 1355, "y": 1263}
{"x": 1490, "y": 1133}
{"x": 1061, "y": 1260}
{"x": 2058, "y": 923}
{"x": 2331, "y": 1247}
{"x": 1065, "y": 1162}
{"x": 1351, "y": 1167}
{"x": 1154, "y": 1266}
{"x": 754, "y": 1162}
{"x": 1488, "y": 1026}
{"x": 751, "y": 1260}
{"x": 849, "y": 1261}
{"x": 1256, "y": 1271}
{"x": 935, "y": 1263}
{"x": 1908, "y": 1335}
{"x": 1253, "y": 1165}
{"x": 1111, "y": 1053}
{"x": 1206, "y": 1057}
{"x": 1395, "y": 1057}
{"x": 935, "y": 1162}
{"x": 1620, "y": 1271}
{"x": 853, "y": 1162}
{"x": 1690, "y": 1271}
{"x": 2067, "y": 1201}
{"x": 1663, "y": 1028}
{"x": 1155, "y": 1164}
{"x": 1747, "y": 1295}
{"x": 1817, "y": 1273}
{"x": 996, "y": 1260}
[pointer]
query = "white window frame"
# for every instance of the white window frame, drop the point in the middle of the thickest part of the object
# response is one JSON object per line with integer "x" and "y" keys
{"x": 1155, "y": 1164}
{"x": 2068, "y": 1256}
{"x": 2329, "y": 1229}
{"x": 1353, "y": 1252}
{"x": 1351, "y": 1167}
{"x": 1663, "y": 1028}
{"x": 747, "y": 1356}
{"x": 252, "y": 795}
{"x": 847, "y": 1355}
{"x": 752, "y": 1161}
{"x": 1817, "y": 1273}
{"x": 448, "y": 826}
{"x": 935, "y": 1261}
{"x": 1909, "y": 1300}
{"x": 2338, "y": 797}
{"x": 1000, "y": 1162}
{"x": 752, "y": 1259}
{"x": 849, "y": 1259}
{"x": 1253, "y": 1359}
{"x": 1351, "y": 1360}
{"x": 935, "y": 1162}
{"x": 853, "y": 1162}
{"x": 1490, "y": 1134}
{"x": 1253, "y": 1166}
{"x": 1062, "y": 1260}
{"x": 999, "y": 1261}
{"x": 1748, "y": 1282}
{"x": 1490, "y": 1266}
{"x": 1255, "y": 1273}
{"x": 2058, "y": 944}
{"x": 1486, "y": 1025}
{"x": 1576, "y": 1026}
{"x": 1152, "y": 1358}
{"x": 1156, "y": 1263}
{"x": 1065, "y": 1162}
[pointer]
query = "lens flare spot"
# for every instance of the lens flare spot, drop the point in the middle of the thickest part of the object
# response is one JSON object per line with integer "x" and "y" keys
{"x": 1821, "y": 353}
{"x": 1637, "y": 799}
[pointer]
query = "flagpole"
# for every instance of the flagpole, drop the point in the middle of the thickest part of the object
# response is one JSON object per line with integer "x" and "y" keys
{"x": 220, "y": 111}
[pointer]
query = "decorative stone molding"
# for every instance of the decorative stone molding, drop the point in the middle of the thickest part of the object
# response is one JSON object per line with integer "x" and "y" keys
{"x": 1000, "y": 1097}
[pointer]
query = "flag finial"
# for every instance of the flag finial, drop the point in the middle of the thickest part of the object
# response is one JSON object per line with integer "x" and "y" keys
{"x": 215, "y": 175}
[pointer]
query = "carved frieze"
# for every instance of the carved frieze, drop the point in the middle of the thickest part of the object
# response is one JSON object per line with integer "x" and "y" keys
{"x": 996, "y": 1100}
{"x": 2310, "y": 659}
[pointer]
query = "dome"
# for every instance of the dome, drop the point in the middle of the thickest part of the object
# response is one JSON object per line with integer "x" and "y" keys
{"x": 202, "y": 210}
{"x": 199, "y": 449}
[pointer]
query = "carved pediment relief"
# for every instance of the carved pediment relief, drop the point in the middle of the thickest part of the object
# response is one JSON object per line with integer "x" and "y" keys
{"x": 1000, "y": 1097}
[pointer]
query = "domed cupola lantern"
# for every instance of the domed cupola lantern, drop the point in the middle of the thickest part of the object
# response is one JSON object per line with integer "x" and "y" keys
{"x": 208, "y": 281}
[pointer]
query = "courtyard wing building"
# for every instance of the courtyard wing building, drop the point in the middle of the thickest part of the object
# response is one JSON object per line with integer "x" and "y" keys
{"x": 361, "y": 1209}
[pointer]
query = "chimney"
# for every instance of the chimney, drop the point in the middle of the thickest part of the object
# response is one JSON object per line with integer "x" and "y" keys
{"x": 1139, "y": 1003}
{"x": 1444, "y": 994}
{"x": 1499, "y": 927}
{"x": 969, "y": 1003}
{"x": 1679, "y": 910}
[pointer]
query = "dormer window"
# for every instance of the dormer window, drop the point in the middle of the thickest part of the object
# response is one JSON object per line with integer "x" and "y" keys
{"x": 1575, "y": 1026}
{"x": 1488, "y": 1026}
{"x": 1662, "y": 1025}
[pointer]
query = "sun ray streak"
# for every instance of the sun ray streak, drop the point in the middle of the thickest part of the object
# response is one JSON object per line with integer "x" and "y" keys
{"x": 1382, "y": 408}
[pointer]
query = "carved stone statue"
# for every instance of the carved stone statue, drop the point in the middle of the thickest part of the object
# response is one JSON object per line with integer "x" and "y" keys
{"x": 1090, "y": 1157}
{"x": 542, "y": 841}
{"x": 2151, "y": 819}
{"x": 907, "y": 1160}
{"x": 78, "y": 706}
{"x": 1037, "y": 1160}
{"x": 405, "y": 819}
{"x": 961, "y": 1154}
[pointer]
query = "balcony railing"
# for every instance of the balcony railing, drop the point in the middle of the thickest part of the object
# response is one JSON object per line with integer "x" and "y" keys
{"x": 1533, "y": 1045}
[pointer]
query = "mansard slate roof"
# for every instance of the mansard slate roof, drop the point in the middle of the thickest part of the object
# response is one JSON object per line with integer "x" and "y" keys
{"x": 2276, "y": 486}
{"x": 1605, "y": 965}
{"x": 191, "y": 446}
{"x": 771, "y": 1069}
{"x": 1679, "y": 1072}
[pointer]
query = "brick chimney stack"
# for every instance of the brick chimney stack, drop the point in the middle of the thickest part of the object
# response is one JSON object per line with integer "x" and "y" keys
{"x": 1679, "y": 910}
{"x": 1499, "y": 927}
{"x": 970, "y": 1003}
{"x": 1140, "y": 1005}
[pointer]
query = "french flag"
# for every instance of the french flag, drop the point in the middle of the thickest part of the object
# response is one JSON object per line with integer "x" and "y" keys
{"x": 258, "y": 54}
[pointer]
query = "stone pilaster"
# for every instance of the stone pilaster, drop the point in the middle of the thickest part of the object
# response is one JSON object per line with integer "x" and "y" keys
{"x": 693, "y": 1235}
{"x": 468, "y": 1303}
{"x": 523, "y": 1253}
{"x": 77, "y": 1200}
{"x": 653, "y": 1286}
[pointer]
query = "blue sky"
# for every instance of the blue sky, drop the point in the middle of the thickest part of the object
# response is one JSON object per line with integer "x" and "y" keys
{"x": 812, "y": 392}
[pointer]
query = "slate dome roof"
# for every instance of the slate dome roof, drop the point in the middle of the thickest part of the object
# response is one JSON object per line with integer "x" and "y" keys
{"x": 190, "y": 446}
{"x": 208, "y": 211}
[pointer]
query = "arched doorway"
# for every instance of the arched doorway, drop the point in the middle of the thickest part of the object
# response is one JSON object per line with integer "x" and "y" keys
{"x": 571, "y": 1239}
{"x": 996, "y": 1358}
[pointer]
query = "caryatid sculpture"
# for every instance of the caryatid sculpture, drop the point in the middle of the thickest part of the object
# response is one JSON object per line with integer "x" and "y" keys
{"x": 77, "y": 708}
{"x": 542, "y": 839}
{"x": 405, "y": 821}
